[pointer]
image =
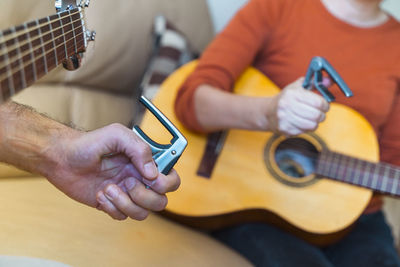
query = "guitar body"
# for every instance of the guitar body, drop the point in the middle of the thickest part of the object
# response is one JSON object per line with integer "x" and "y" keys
{"x": 246, "y": 185}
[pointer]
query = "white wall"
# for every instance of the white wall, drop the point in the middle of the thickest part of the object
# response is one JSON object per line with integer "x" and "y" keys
{"x": 393, "y": 7}
{"x": 222, "y": 10}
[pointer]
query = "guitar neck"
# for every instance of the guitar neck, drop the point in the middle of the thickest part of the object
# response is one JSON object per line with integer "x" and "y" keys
{"x": 31, "y": 50}
{"x": 380, "y": 177}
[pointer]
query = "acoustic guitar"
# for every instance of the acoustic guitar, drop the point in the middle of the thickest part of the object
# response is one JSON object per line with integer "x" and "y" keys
{"x": 315, "y": 185}
{"x": 33, "y": 49}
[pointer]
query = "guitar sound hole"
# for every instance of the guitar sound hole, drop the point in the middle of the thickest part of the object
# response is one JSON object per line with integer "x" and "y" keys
{"x": 296, "y": 157}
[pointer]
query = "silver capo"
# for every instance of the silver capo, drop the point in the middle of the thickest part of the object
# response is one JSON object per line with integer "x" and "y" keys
{"x": 317, "y": 65}
{"x": 165, "y": 156}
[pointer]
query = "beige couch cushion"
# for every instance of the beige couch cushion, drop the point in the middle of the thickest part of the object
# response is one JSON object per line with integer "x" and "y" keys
{"x": 123, "y": 37}
{"x": 70, "y": 104}
{"x": 39, "y": 221}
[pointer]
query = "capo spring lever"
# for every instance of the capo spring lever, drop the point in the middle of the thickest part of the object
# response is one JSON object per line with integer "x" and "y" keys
{"x": 165, "y": 156}
{"x": 317, "y": 65}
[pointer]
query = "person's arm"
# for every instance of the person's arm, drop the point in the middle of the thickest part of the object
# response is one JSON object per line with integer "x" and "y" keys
{"x": 389, "y": 138}
{"x": 105, "y": 168}
{"x": 204, "y": 102}
{"x": 293, "y": 111}
{"x": 228, "y": 55}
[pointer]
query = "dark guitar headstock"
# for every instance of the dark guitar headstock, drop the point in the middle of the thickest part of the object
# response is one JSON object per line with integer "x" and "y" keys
{"x": 74, "y": 61}
{"x": 31, "y": 50}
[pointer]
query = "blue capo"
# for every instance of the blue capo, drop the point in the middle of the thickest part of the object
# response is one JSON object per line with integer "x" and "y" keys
{"x": 317, "y": 65}
{"x": 165, "y": 156}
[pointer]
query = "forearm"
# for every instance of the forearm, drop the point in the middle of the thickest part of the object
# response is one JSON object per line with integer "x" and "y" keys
{"x": 75, "y": 162}
{"x": 28, "y": 139}
{"x": 217, "y": 110}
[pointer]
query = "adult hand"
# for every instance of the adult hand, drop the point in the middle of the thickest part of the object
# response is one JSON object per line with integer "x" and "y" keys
{"x": 296, "y": 110}
{"x": 108, "y": 169}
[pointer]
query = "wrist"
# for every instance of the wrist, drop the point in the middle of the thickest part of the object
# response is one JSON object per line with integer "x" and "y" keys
{"x": 53, "y": 152}
{"x": 264, "y": 114}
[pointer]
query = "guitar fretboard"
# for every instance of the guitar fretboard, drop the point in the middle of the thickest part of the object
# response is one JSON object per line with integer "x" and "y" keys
{"x": 31, "y": 50}
{"x": 379, "y": 177}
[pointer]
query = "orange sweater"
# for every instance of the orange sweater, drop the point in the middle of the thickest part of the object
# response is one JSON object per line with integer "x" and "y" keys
{"x": 279, "y": 37}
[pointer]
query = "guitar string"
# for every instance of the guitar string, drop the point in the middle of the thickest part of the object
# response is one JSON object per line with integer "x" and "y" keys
{"x": 17, "y": 45}
{"x": 305, "y": 151}
{"x": 37, "y": 47}
{"x": 19, "y": 56}
{"x": 384, "y": 165}
{"x": 32, "y": 60}
{"x": 362, "y": 171}
{"x": 37, "y": 26}
{"x": 393, "y": 186}
{"x": 40, "y": 65}
{"x": 27, "y": 31}
{"x": 54, "y": 54}
{"x": 4, "y": 77}
{"x": 376, "y": 188}
{"x": 31, "y": 41}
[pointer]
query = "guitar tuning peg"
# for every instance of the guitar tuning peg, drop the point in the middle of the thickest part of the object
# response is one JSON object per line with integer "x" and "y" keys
{"x": 90, "y": 35}
{"x": 58, "y": 5}
{"x": 62, "y": 5}
{"x": 84, "y": 3}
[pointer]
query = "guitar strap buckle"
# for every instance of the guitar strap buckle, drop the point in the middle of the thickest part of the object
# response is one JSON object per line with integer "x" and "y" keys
{"x": 314, "y": 75}
{"x": 165, "y": 156}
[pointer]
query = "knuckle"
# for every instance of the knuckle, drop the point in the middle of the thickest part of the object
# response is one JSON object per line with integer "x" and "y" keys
{"x": 282, "y": 128}
{"x": 292, "y": 131}
{"x": 320, "y": 104}
{"x": 315, "y": 116}
{"x": 313, "y": 125}
{"x": 288, "y": 94}
{"x": 123, "y": 204}
{"x": 138, "y": 194}
{"x": 296, "y": 132}
{"x": 283, "y": 105}
{"x": 286, "y": 129}
{"x": 177, "y": 184}
{"x": 116, "y": 126}
{"x": 142, "y": 148}
{"x": 171, "y": 183}
{"x": 281, "y": 114}
{"x": 328, "y": 107}
{"x": 162, "y": 203}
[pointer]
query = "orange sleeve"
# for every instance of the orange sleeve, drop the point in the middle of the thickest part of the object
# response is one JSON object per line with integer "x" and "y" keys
{"x": 390, "y": 135}
{"x": 233, "y": 50}
{"x": 389, "y": 144}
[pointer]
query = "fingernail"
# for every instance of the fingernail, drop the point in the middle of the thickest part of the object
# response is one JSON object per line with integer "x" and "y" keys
{"x": 112, "y": 192}
{"x": 148, "y": 182}
{"x": 101, "y": 198}
{"x": 150, "y": 169}
{"x": 130, "y": 183}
